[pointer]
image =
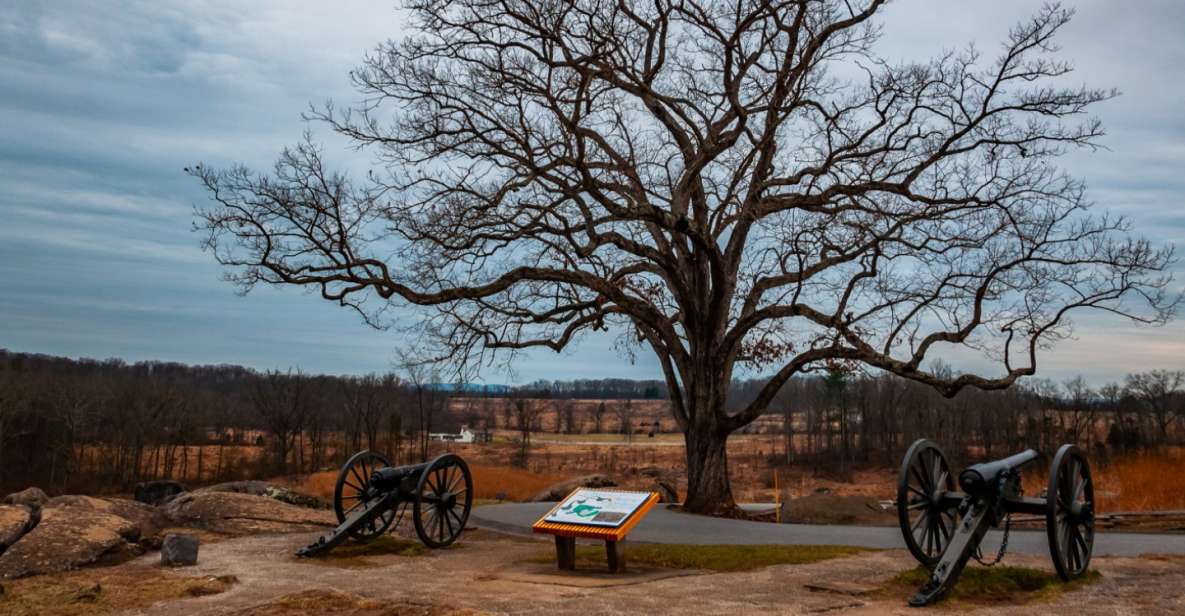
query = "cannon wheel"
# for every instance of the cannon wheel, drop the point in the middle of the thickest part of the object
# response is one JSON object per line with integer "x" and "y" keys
{"x": 1069, "y": 512}
{"x": 926, "y": 525}
{"x": 353, "y": 491}
{"x": 442, "y": 501}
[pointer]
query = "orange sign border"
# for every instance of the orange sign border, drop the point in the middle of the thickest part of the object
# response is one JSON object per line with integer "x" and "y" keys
{"x": 595, "y": 532}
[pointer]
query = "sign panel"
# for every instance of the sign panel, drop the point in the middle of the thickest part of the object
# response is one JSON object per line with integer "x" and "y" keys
{"x": 607, "y": 508}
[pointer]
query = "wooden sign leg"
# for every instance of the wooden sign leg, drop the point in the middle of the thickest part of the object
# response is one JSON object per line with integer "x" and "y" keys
{"x": 565, "y": 552}
{"x": 615, "y": 550}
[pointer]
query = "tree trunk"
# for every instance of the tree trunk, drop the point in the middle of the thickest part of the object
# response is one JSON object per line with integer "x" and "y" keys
{"x": 708, "y": 489}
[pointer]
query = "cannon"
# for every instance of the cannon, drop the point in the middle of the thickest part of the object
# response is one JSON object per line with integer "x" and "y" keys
{"x": 943, "y": 525}
{"x": 371, "y": 497}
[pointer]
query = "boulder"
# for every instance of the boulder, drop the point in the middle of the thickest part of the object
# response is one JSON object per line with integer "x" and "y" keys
{"x": 667, "y": 490}
{"x": 29, "y": 497}
{"x": 66, "y": 538}
{"x": 179, "y": 550}
{"x": 256, "y": 488}
{"x": 158, "y": 492}
{"x": 149, "y": 519}
{"x": 15, "y": 521}
{"x": 263, "y": 488}
{"x": 239, "y": 514}
{"x": 560, "y": 490}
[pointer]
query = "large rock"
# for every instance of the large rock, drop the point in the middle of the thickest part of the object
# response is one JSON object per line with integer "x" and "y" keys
{"x": 255, "y": 488}
{"x": 560, "y": 490}
{"x": 15, "y": 521}
{"x": 29, "y": 497}
{"x": 668, "y": 492}
{"x": 66, "y": 538}
{"x": 237, "y": 514}
{"x": 149, "y": 519}
{"x": 179, "y": 550}
{"x": 158, "y": 492}
{"x": 263, "y": 488}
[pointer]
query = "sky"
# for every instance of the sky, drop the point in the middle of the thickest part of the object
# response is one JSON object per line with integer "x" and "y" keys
{"x": 102, "y": 104}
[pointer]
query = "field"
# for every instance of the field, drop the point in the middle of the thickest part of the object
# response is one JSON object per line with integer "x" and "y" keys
{"x": 1145, "y": 481}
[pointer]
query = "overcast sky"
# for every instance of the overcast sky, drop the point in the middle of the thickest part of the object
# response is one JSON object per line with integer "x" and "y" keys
{"x": 103, "y": 103}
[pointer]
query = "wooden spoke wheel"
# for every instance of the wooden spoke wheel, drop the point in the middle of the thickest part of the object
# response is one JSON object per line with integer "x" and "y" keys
{"x": 442, "y": 501}
{"x": 353, "y": 491}
{"x": 927, "y": 523}
{"x": 1069, "y": 513}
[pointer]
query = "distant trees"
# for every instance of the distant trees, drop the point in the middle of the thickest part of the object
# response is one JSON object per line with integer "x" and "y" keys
{"x": 1159, "y": 391}
{"x": 280, "y": 400}
{"x": 69, "y": 424}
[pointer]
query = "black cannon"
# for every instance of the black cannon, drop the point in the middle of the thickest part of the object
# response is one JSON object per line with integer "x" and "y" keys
{"x": 943, "y": 526}
{"x": 371, "y": 497}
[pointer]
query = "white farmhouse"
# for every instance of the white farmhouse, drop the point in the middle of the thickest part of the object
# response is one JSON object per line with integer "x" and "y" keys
{"x": 464, "y": 436}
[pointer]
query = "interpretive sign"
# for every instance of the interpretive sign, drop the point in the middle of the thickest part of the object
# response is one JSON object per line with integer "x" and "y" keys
{"x": 597, "y": 507}
{"x": 595, "y": 514}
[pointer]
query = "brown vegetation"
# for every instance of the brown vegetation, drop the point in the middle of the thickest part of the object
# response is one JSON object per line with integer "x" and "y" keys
{"x": 102, "y": 591}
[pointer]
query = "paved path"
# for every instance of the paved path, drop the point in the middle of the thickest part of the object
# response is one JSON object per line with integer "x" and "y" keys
{"x": 666, "y": 526}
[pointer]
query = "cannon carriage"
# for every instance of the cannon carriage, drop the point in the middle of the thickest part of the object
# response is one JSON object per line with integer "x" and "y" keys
{"x": 371, "y": 497}
{"x": 943, "y": 523}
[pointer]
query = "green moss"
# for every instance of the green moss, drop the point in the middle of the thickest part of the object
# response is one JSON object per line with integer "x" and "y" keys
{"x": 710, "y": 557}
{"x": 983, "y": 585}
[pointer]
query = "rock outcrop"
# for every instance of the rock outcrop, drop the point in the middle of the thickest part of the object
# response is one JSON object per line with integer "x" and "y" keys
{"x": 263, "y": 488}
{"x": 150, "y": 520}
{"x": 238, "y": 513}
{"x": 29, "y": 497}
{"x": 15, "y": 521}
{"x": 67, "y": 537}
{"x": 560, "y": 490}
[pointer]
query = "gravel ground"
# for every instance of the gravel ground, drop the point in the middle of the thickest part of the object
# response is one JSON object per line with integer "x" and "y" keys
{"x": 484, "y": 573}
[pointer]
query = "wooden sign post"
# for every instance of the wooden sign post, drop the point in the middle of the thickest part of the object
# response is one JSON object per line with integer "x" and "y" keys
{"x": 595, "y": 514}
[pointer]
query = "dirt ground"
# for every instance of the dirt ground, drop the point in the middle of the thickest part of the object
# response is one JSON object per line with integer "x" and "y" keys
{"x": 486, "y": 573}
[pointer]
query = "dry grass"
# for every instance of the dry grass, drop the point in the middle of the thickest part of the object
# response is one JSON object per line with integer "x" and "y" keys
{"x": 102, "y": 591}
{"x": 1151, "y": 481}
{"x": 515, "y": 484}
{"x": 990, "y": 586}
{"x": 334, "y": 602}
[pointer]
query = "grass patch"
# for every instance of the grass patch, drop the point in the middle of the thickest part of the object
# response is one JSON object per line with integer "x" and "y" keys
{"x": 989, "y": 585}
{"x": 355, "y": 554}
{"x": 721, "y": 558}
{"x": 94, "y": 591}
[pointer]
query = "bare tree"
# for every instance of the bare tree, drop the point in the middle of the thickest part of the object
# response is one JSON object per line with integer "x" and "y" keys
{"x": 730, "y": 184}
{"x": 527, "y": 412}
{"x": 1156, "y": 389}
{"x": 598, "y": 413}
{"x": 625, "y": 418}
{"x": 1081, "y": 411}
{"x": 279, "y": 400}
{"x": 429, "y": 401}
{"x": 566, "y": 412}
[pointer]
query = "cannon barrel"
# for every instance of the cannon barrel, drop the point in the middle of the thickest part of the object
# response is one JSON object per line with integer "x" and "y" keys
{"x": 388, "y": 478}
{"x": 977, "y": 478}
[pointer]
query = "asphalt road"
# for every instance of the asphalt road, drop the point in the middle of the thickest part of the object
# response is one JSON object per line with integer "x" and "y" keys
{"x": 666, "y": 526}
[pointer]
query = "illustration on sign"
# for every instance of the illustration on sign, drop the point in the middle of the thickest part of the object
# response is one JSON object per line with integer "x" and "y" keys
{"x": 597, "y": 508}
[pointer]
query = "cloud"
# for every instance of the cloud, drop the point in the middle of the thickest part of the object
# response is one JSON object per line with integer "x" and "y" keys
{"x": 103, "y": 103}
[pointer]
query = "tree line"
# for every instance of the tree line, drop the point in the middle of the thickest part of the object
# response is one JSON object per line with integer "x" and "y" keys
{"x": 67, "y": 423}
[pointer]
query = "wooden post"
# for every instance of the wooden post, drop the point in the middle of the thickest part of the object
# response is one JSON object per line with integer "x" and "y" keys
{"x": 565, "y": 552}
{"x": 615, "y": 551}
